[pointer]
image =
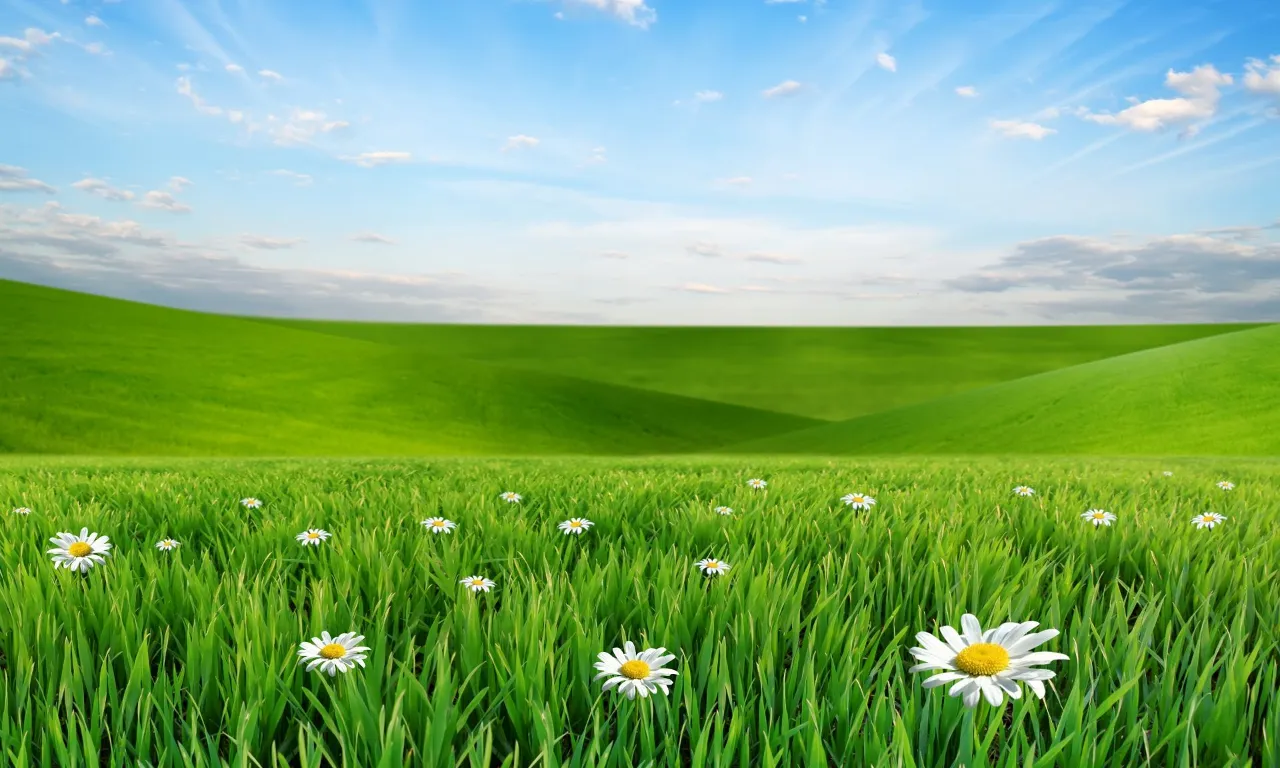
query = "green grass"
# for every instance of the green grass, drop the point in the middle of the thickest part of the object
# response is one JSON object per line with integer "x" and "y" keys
{"x": 1213, "y": 396}
{"x": 796, "y": 657}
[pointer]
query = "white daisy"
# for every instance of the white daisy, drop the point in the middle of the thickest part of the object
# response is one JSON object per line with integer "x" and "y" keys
{"x": 478, "y": 583}
{"x": 167, "y": 545}
{"x": 1023, "y": 490}
{"x": 724, "y": 511}
{"x": 575, "y": 525}
{"x": 79, "y": 553}
{"x": 511, "y": 498}
{"x": 333, "y": 654}
{"x": 1167, "y": 473}
{"x": 1226, "y": 486}
{"x": 858, "y": 501}
{"x": 251, "y": 503}
{"x": 1208, "y": 520}
{"x": 756, "y": 483}
{"x": 313, "y": 536}
{"x": 636, "y": 674}
{"x": 439, "y": 525}
{"x": 22, "y": 510}
{"x": 986, "y": 664}
{"x": 1098, "y": 517}
{"x": 712, "y": 567}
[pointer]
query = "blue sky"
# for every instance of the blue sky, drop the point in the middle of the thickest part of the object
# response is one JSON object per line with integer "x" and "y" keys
{"x": 619, "y": 161}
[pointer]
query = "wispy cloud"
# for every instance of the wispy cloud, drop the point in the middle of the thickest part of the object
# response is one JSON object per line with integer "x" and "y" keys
{"x": 163, "y": 201}
{"x": 101, "y": 188}
{"x": 265, "y": 243}
{"x": 300, "y": 179}
{"x": 1200, "y": 91}
{"x": 1018, "y": 129}
{"x": 967, "y": 91}
{"x": 15, "y": 179}
{"x": 886, "y": 62}
{"x": 374, "y": 159}
{"x": 271, "y": 76}
{"x": 94, "y": 21}
{"x": 637, "y": 13}
{"x": 703, "y": 288}
{"x": 785, "y": 88}
{"x": 372, "y": 237}
{"x": 520, "y": 142}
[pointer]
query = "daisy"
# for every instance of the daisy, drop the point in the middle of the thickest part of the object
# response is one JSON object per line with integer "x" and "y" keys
{"x": 167, "y": 545}
{"x": 22, "y": 510}
{"x": 1168, "y": 473}
{"x": 858, "y": 501}
{"x": 1023, "y": 490}
{"x": 313, "y": 536}
{"x": 756, "y": 483}
{"x": 439, "y": 525}
{"x": 986, "y": 664}
{"x": 634, "y": 673}
{"x": 478, "y": 583}
{"x": 1098, "y": 517}
{"x": 575, "y": 525}
{"x": 712, "y": 566}
{"x": 251, "y": 503}
{"x": 511, "y": 498}
{"x": 724, "y": 511}
{"x": 1208, "y": 520}
{"x": 1226, "y": 486}
{"x": 333, "y": 654}
{"x": 79, "y": 553}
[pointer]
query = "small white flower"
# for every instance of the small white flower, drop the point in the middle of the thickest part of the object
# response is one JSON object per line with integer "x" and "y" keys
{"x": 1098, "y": 517}
{"x": 858, "y": 501}
{"x": 1226, "y": 486}
{"x": 756, "y": 483}
{"x": 636, "y": 674}
{"x": 22, "y": 510}
{"x": 333, "y": 654}
{"x": 251, "y": 503}
{"x": 712, "y": 567}
{"x": 439, "y": 525}
{"x": 1167, "y": 473}
{"x": 511, "y": 498}
{"x": 724, "y": 511}
{"x": 167, "y": 545}
{"x": 478, "y": 583}
{"x": 575, "y": 525}
{"x": 79, "y": 553}
{"x": 1023, "y": 490}
{"x": 1208, "y": 520}
{"x": 313, "y": 537}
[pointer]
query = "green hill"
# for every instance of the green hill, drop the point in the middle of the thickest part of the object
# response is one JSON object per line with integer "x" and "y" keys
{"x": 89, "y": 375}
{"x": 1214, "y": 396}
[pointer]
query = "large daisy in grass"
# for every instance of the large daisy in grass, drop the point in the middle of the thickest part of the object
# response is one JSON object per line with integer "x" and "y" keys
{"x": 313, "y": 537}
{"x": 1208, "y": 520}
{"x": 636, "y": 674}
{"x": 575, "y": 525}
{"x": 1023, "y": 490}
{"x": 1226, "y": 486}
{"x": 439, "y": 525}
{"x": 1098, "y": 517}
{"x": 251, "y": 503}
{"x": 79, "y": 553}
{"x": 858, "y": 501}
{"x": 333, "y": 654}
{"x": 478, "y": 583}
{"x": 988, "y": 664}
{"x": 713, "y": 566}
{"x": 757, "y": 483}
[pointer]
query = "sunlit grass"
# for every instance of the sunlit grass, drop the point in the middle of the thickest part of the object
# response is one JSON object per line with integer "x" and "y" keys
{"x": 795, "y": 656}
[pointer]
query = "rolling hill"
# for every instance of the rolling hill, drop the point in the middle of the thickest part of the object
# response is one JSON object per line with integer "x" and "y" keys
{"x": 1212, "y": 396}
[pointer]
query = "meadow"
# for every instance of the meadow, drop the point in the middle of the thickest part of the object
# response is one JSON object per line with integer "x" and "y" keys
{"x": 798, "y": 655}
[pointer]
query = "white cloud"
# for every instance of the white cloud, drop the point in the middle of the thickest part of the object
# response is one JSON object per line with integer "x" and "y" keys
{"x": 703, "y": 288}
{"x": 302, "y": 126}
{"x": 771, "y": 258}
{"x": 31, "y": 39}
{"x": 706, "y": 97}
{"x": 520, "y": 142}
{"x": 967, "y": 91}
{"x": 599, "y": 156}
{"x": 179, "y": 183}
{"x": 235, "y": 69}
{"x": 300, "y": 179}
{"x": 163, "y": 201}
{"x": 785, "y": 88}
{"x": 1017, "y": 129}
{"x": 1261, "y": 78}
{"x": 94, "y": 21}
{"x": 264, "y": 243}
{"x": 185, "y": 88}
{"x": 704, "y": 248}
{"x": 267, "y": 74}
{"x": 15, "y": 179}
{"x": 634, "y": 12}
{"x": 372, "y": 237}
{"x": 97, "y": 49}
{"x": 373, "y": 159}
{"x": 100, "y": 188}
{"x": 1200, "y": 89}
{"x": 7, "y": 70}
{"x": 885, "y": 61}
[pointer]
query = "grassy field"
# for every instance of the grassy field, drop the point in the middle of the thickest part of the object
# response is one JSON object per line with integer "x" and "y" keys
{"x": 797, "y": 656}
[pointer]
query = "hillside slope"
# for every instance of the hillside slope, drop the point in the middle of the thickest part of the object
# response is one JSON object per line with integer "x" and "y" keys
{"x": 1214, "y": 396}
{"x": 82, "y": 374}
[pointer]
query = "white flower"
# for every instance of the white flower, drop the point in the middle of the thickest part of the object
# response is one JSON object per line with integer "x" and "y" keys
{"x": 313, "y": 536}
{"x": 1208, "y": 520}
{"x": 439, "y": 525}
{"x": 575, "y": 525}
{"x": 1167, "y": 473}
{"x": 512, "y": 498}
{"x": 79, "y": 553}
{"x": 22, "y": 510}
{"x": 1023, "y": 490}
{"x": 986, "y": 664}
{"x": 756, "y": 483}
{"x": 1226, "y": 486}
{"x": 251, "y": 503}
{"x": 1098, "y": 517}
{"x": 166, "y": 545}
{"x": 712, "y": 566}
{"x": 634, "y": 673}
{"x": 333, "y": 654}
{"x": 858, "y": 501}
{"x": 478, "y": 583}
{"x": 724, "y": 511}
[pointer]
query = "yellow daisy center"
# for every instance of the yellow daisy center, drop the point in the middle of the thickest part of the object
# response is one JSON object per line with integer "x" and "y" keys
{"x": 333, "y": 651}
{"x": 477, "y": 582}
{"x": 982, "y": 659}
{"x": 79, "y": 549}
{"x": 1207, "y": 518}
{"x": 313, "y": 535}
{"x": 575, "y": 524}
{"x": 713, "y": 564}
{"x": 1099, "y": 515}
{"x": 438, "y": 523}
{"x": 634, "y": 670}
